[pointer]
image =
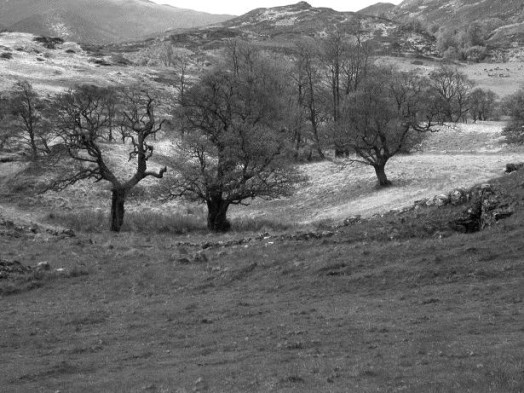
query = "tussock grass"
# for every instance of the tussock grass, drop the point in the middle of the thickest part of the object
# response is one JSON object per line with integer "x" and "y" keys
{"x": 93, "y": 221}
{"x": 178, "y": 222}
{"x": 37, "y": 279}
{"x": 256, "y": 224}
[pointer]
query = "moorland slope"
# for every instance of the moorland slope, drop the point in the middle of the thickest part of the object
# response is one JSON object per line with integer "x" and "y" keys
{"x": 99, "y": 21}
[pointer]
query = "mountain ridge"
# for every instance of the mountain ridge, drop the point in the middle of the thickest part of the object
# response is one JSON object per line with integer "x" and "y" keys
{"x": 280, "y": 27}
{"x": 99, "y": 21}
{"x": 500, "y": 18}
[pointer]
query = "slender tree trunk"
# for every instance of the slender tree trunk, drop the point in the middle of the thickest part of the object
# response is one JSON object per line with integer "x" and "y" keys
{"x": 316, "y": 137}
{"x": 117, "y": 209}
{"x": 34, "y": 148}
{"x": 217, "y": 215}
{"x": 380, "y": 170}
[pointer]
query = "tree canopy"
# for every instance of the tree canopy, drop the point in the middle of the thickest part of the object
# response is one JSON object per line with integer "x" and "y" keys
{"x": 234, "y": 146}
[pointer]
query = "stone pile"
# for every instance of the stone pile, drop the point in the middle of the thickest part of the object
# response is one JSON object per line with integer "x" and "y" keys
{"x": 11, "y": 229}
{"x": 10, "y": 268}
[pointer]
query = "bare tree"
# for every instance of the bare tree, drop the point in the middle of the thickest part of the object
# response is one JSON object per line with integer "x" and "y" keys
{"x": 384, "y": 117}
{"x": 5, "y": 130}
{"x": 482, "y": 103}
{"x": 513, "y": 107}
{"x": 27, "y": 110}
{"x": 234, "y": 148}
{"x": 451, "y": 88}
{"x": 312, "y": 93}
{"x": 346, "y": 60}
{"x": 83, "y": 121}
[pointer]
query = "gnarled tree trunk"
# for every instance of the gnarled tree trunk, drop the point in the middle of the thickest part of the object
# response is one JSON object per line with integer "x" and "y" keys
{"x": 381, "y": 175}
{"x": 117, "y": 208}
{"x": 217, "y": 215}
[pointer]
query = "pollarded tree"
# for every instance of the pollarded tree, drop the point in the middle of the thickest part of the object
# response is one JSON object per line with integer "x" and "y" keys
{"x": 234, "y": 147}
{"x": 84, "y": 120}
{"x": 385, "y": 116}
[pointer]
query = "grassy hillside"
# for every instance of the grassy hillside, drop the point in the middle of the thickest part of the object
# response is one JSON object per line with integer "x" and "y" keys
{"x": 99, "y": 21}
{"x": 278, "y": 27}
{"x": 386, "y": 304}
{"x": 501, "y": 15}
{"x": 301, "y": 297}
{"x": 378, "y": 9}
{"x": 54, "y": 70}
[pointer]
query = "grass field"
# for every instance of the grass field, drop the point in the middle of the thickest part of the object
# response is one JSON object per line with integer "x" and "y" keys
{"x": 384, "y": 305}
{"x": 331, "y": 315}
{"x": 289, "y": 301}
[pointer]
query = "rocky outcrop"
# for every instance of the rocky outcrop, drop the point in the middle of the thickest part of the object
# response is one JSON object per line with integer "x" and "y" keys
{"x": 487, "y": 206}
{"x": 456, "y": 197}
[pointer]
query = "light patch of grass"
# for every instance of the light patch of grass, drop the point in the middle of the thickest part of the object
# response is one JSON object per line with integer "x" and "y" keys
{"x": 134, "y": 221}
{"x": 257, "y": 224}
{"x": 36, "y": 279}
{"x": 176, "y": 222}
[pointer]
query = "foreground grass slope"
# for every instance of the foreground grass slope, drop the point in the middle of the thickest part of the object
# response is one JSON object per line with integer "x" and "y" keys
{"x": 352, "y": 312}
{"x": 390, "y": 304}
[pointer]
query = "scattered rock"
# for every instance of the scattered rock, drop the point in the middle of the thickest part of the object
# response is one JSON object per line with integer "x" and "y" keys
{"x": 9, "y": 268}
{"x": 43, "y": 266}
{"x": 200, "y": 386}
{"x": 352, "y": 220}
{"x": 183, "y": 257}
{"x": 49, "y": 42}
{"x": 442, "y": 200}
{"x": 458, "y": 196}
{"x": 200, "y": 257}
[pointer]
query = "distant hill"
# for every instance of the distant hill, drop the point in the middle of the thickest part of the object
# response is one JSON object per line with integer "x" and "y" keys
{"x": 505, "y": 19}
{"x": 378, "y": 9}
{"x": 278, "y": 27}
{"x": 99, "y": 21}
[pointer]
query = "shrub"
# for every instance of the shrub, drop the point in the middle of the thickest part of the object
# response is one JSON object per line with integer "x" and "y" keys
{"x": 476, "y": 53}
{"x": 6, "y": 56}
{"x": 514, "y": 133}
{"x": 49, "y": 42}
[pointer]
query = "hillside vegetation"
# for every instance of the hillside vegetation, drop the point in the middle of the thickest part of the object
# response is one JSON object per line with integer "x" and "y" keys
{"x": 321, "y": 279}
{"x": 393, "y": 303}
{"x": 99, "y": 21}
{"x": 501, "y": 19}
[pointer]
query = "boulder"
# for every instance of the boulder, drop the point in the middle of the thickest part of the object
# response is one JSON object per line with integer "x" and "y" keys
{"x": 43, "y": 266}
{"x": 352, "y": 220}
{"x": 441, "y": 200}
{"x": 458, "y": 196}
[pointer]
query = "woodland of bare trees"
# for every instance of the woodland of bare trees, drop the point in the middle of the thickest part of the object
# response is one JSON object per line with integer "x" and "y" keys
{"x": 242, "y": 127}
